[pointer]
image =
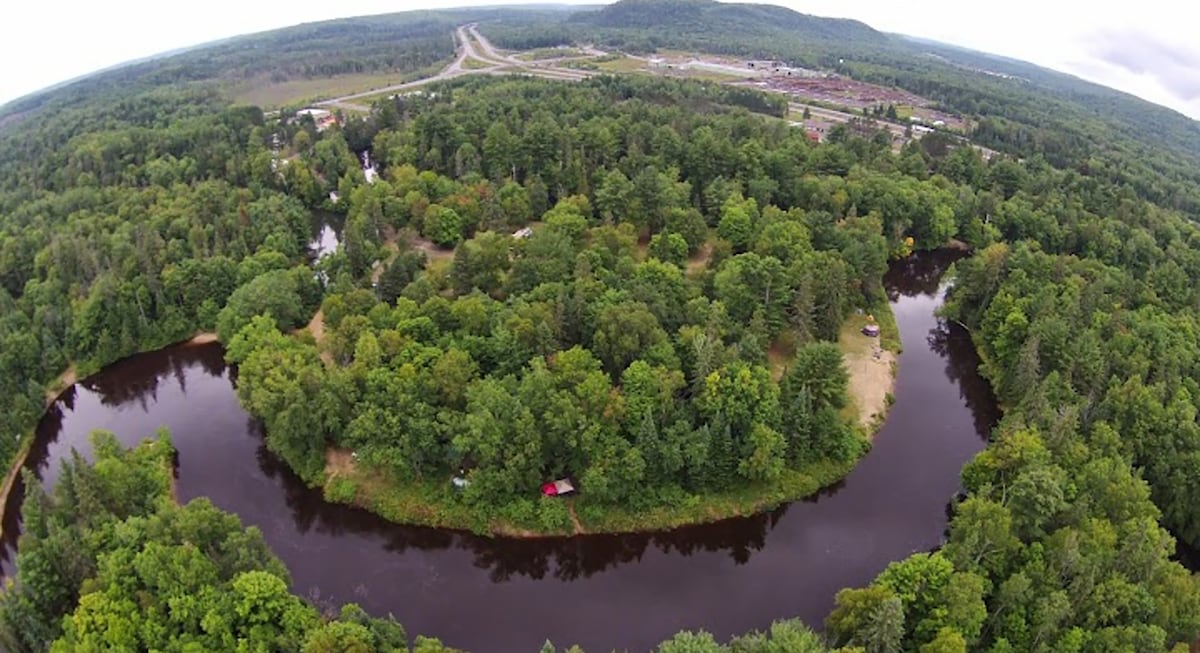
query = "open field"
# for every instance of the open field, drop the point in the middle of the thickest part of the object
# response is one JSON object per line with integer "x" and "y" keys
{"x": 476, "y": 64}
{"x": 270, "y": 95}
{"x": 550, "y": 53}
{"x": 621, "y": 65}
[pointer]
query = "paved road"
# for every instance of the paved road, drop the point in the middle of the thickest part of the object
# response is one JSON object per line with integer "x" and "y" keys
{"x": 842, "y": 116}
{"x": 539, "y": 68}
{"x": 472, "y": 46}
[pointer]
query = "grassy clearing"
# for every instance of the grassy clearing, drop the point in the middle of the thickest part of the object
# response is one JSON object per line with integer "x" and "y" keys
{"x": 621, "y": 65}
{"x": 267, "y": 94}
{"x": 550, "y": 53}
{"x": 780, "y": 354}
{"x": 698, "y": 262}
{"x": 435, "y": 503}
{"x": 477, "y": 64}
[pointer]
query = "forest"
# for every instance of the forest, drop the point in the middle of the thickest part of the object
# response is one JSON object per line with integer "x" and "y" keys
{"x": 681, "y": 238}
{"x": 620, "y": 344}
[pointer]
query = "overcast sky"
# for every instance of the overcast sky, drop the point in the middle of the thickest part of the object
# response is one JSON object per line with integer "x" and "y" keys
{"x": 1146, "y": 47}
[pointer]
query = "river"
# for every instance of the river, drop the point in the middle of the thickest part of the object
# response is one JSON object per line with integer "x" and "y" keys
{"x": 602, "y": 592}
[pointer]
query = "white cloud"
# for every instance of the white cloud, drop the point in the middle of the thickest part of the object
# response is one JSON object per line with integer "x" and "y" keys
{"x": 48, "y": 42}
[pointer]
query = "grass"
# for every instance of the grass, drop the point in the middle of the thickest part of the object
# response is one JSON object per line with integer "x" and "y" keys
{"x": 477, "y": 64}
{"x": 549, "y": 53}
{"x": 269, "y": 95}
{"x": 276, "y": 94}
{"x": 435, "y": 503}
{"x": 695, "y": 509}
{"x": 621, "y": 65}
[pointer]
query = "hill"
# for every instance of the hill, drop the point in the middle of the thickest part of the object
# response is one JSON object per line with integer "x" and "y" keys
{"x": 694, "y": 17}
{"x": 1015, "y": 107}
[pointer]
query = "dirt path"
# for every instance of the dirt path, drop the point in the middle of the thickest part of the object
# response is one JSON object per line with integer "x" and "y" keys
{"x": 579, "y": 529}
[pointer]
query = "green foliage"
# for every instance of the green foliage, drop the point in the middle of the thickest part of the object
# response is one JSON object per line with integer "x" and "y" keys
{"x": 669, "y": 248}
{"x": 276, "y": 294}
{"x": 109, "y": 562}
{"x": 443, "y": 225}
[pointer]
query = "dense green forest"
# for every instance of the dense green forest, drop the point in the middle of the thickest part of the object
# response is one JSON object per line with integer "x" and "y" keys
{"x": 681, "y": 236}
{"x": 620, "y": 344}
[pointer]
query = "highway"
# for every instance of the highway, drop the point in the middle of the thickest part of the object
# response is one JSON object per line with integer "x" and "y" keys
{"x": 472, "y": 46}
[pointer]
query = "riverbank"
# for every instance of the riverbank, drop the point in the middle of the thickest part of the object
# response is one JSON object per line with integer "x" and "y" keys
{"x": 53, "y": 392}
{"x": 68, "y": 378}
{"x": 871, "y": 364}
{"x": 434, "y": 504}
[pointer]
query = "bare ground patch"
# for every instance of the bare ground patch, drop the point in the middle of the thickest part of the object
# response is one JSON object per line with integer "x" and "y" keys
{"x": 203, "y": 338}
{"x": 338, "y": 462}
{"x": 700, "y": 259}
{"x": 872, "y": 371}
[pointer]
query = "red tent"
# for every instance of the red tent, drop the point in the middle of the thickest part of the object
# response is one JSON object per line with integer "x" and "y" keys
{"x": 557, "y": 488}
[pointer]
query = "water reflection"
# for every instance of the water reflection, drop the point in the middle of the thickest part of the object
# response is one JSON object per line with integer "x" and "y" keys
{"x": 725, "y": 577}
{"x": 560, "y": 558}
{"x": 953, "y": 343}
{"x": 326, "y": 233}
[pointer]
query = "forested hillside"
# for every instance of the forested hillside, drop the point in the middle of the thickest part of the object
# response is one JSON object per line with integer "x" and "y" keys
{"x": 1073, "y": 124}
{"x": 401, "y": 44}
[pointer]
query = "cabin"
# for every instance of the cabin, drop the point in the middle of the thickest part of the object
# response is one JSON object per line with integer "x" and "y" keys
{"x": 558, "y": 488}
{"x": 871, "y": 330}
{"x": 321, "y": 117}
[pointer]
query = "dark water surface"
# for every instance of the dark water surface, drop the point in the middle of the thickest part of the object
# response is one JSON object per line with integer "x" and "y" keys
{"x": 602, "y": 592}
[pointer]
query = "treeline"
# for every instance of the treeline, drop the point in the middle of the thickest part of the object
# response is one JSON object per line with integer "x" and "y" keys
{"x": 1099, "y": 132}
{"x": 1101, "y": 313}
{"x": 1085, "y": 317}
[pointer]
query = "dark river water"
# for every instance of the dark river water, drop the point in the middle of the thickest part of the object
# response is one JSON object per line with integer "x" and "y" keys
{"x": 603, "y": 592}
